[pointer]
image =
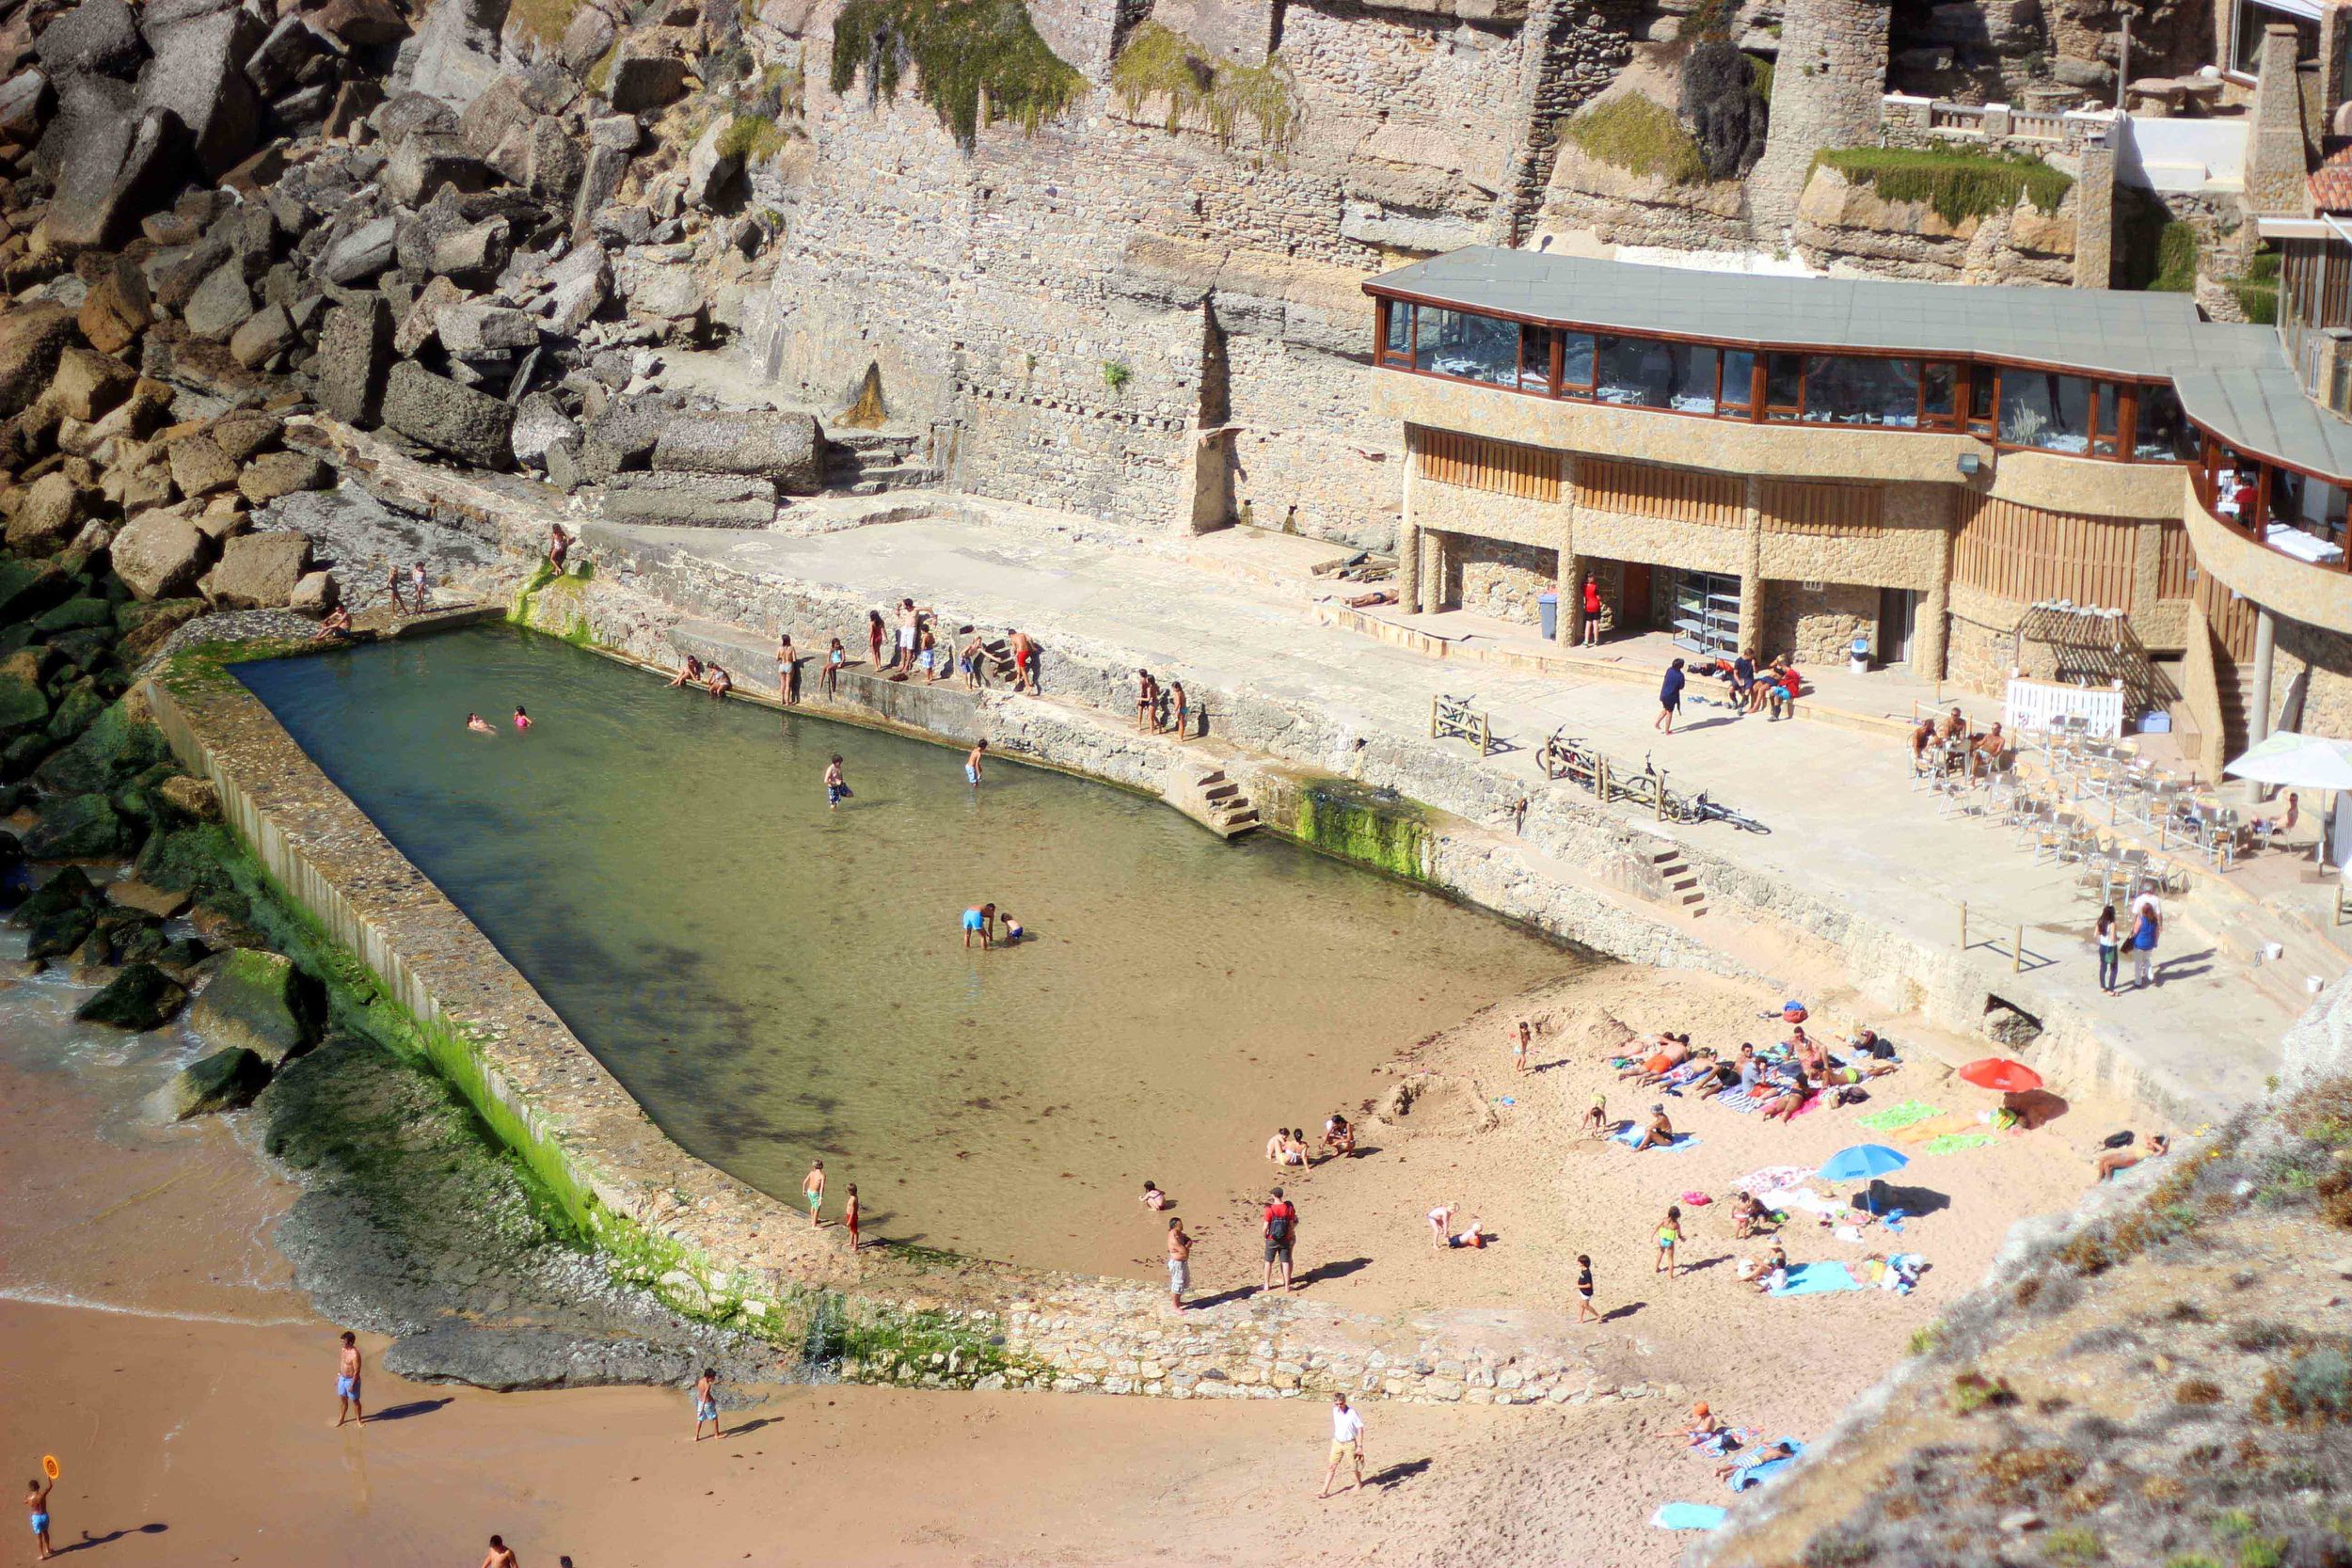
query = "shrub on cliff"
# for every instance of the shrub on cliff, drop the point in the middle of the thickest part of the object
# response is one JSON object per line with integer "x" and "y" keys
{"x": 1638, "y": 135}
{"x": 1726, "y": 112}
{"x": 963, "y": 52}
{"x": 1958, "y": 186}
{"x": 1159, "y": 62}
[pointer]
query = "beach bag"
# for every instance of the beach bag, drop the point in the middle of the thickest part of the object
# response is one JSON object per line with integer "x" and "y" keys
{"x": 2117, "y": 1140}
{"x": 1278, "y": 1230}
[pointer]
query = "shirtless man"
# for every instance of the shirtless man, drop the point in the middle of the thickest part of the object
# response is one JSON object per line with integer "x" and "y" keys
{"x": 347, "y": 1406}
{"x": 972, "y": 760}
{"x": 983, "y": 922}
{"x": 501, "y": 1556}
{"x": 1024, "y": 660}
{"x": 975, "y": 662}
{"x": 910, "y": 622}
{"x": 707, "y": 1403}
{"x": 1147, "y": 700}
{"x": 36, "y": 1504}
{"x": 1178, "y": 1262}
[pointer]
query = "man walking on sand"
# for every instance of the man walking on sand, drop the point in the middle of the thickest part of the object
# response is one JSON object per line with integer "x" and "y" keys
{"x": 348, "y": 1382}
{"x": 1178, "y": 1262}
{"x": 1281, "y": 1234}
{"x": 1347, "y": 1442}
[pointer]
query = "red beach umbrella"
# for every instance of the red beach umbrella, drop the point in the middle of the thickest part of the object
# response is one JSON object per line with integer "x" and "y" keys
{"x": 1999, "y": 1072}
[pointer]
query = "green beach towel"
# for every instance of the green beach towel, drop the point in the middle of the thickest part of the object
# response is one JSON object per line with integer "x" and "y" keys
{"x": 1909, "y": 1113}
{"x": 1954, "y": 1143}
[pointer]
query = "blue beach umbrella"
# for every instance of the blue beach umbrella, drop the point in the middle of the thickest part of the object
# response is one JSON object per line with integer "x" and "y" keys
{"x": 1861, "y": 1163}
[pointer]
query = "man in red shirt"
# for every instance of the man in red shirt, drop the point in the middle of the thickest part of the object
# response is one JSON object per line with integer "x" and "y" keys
{"x": 1281, "y": 1234}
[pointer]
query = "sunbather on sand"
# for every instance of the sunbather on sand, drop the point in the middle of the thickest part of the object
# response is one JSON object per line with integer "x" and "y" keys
{"x": 1670, "y": 1051}
{"x": 2116, "y": 1161}
{"x": 1769, "y": 1452}
{"x": 1790, "y": 1100}
{"x": 1659, "y": 1133}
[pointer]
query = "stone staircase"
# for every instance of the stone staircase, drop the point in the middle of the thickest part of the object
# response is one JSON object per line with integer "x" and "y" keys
{"x": 2230, "y": 681}
{"x": 870, "y": 463}
{"x": 1216, "y": 803}
{"x": 1672, "y": 869}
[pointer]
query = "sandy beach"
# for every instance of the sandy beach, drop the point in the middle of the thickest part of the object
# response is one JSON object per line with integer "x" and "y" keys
{"x": 155, "y": 1342}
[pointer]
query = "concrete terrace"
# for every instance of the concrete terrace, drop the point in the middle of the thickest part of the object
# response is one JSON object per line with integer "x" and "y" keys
{"x": 1237, "y": 612}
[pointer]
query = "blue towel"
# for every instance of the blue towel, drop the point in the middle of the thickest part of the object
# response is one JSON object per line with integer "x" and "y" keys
{"x": 1813, "y": 1279}
{"x": 1763, "y": 1469}
{"x": 1688, "y": 1516}
{"x": 1630, "y": 1134}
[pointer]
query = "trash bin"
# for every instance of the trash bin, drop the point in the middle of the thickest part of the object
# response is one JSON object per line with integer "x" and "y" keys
{"x": 1861, "y": 655}
{"x": 1548, "y": 611}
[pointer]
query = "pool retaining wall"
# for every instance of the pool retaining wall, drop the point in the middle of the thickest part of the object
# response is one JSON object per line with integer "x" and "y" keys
{"x": 719, "y": 1249}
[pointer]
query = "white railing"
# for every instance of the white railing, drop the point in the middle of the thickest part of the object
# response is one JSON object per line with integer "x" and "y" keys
{"x": 2033, "y": 705}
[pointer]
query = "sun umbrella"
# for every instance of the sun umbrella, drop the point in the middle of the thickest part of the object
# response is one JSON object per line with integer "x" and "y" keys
{"x": 1999, "y": 1072}
{"x": 2295, "y": 761}
{"x": 1861, "y": 1163}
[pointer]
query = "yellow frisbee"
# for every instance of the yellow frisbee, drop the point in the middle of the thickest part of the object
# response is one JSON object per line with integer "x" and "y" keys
{"x": 49, "y": 1465}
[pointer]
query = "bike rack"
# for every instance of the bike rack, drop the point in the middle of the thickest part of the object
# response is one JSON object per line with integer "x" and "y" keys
{"x": 1454, "y": 718}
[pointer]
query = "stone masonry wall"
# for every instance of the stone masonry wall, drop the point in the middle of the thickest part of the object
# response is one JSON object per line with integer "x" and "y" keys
{"x": 1827, "y": 85}
{"x": 1501, "y": 579}
{"x": 1817, "y": 626}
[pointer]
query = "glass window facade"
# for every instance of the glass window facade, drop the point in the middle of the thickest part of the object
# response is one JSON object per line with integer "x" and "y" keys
{"x": 2045, "y": 410}
{"x": 1475, "y": 348}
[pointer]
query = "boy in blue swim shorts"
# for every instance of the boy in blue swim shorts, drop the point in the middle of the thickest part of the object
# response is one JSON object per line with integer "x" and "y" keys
{"x": 982, "y": 920}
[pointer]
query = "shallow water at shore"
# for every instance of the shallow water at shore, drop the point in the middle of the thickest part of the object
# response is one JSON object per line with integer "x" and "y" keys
{"x": 775, "y": 982}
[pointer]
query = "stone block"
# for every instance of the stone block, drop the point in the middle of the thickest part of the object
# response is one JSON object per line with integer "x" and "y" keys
{"x": 95, "y": 36}
{"x": 281, "y": 474}
{"x": 198, "y": 74}
{"x": 32, "y": 339}
{"x": 199, "y": 467}
{"x": 266, "y": 333}
{"x": 455, "y": 420}
{"x": 787, "y": 447}
{"x": 700, "y": 500}
{"x": 225, "y": 1080}
{"x": 88, "y": 385}
{"x": 221, "y": 303}
{"x": 642, "y": 82}
{"x": 118, "y": 307}
{"x": 259, "y": 571}
{"x": 425, "y": 163}
{"x": 354, "y": 357}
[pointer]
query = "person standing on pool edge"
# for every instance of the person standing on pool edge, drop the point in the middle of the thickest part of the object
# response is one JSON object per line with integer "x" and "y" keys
{"x": 813, "y": 1190}
{"x": 982, "y": 920}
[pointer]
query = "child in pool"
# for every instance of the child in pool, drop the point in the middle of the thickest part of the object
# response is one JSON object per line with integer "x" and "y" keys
{"x": 1013, "y": 927}
{"x": 480, "y": 725}
{"x": 522, "y": 719}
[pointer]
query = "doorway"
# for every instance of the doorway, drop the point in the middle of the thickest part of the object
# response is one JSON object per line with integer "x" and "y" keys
{"x": 1899, "y": 624}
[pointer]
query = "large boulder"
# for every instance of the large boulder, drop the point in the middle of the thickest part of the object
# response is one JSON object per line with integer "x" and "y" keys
{"x": 698, "y": 501}
{"x": 160, "y": 554}
{"x": 118, "y": 307}
{"x": 96, "y": 35}
{"x": 425, "y": 163}
{"x": 26, "y": 102}
{"x": 51, "y": 513}
{"x": 87, "y": 384}
{"x": 199, "y": 73}
{"x": 623, "y": 437}
{"x": 552, "y": 161}
{"x": 362, "y": 252}
{"x": 29, "y": 587}
{"x": 540, "y": 422}
{"x": 457, "y": 422}
{"x": 455, "y": 55}
{"x": 355, "y": 356}
{"x": 224, "y": 1081}
{"x": 258, "y": 570}
{"x": 364, "y": 23}
{"x": 76, "y": 827}
{"x": 221, "y": 303}
{"x": 642, "y": 82}
{"x": 470, "y": 328}
{"x": 787, "y": 447}
{"x": 141, "y": 997}
{"x": 262, "y": 1002}
{"x": 114, "y": 176}
{"x": 199, "y": 467}
{"x": 714, "y": 161}
{"x": 32, "y": 338}
{"x": 268, "y": 332}
{"x": 281, "y": 57}
{"x": 281, "y": 474}
{"x": 23, "y": 703}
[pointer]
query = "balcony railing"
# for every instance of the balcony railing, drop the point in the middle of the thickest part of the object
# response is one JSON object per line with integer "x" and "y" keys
{"x": 2240, "y": 508}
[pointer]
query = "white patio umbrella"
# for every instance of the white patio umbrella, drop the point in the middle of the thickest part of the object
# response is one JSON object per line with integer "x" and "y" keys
{"x": 2294, "y": 761}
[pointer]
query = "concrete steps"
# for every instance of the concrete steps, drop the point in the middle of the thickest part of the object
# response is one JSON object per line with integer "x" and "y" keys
{"x": 1216, "y": 803}
{"x": 873, "y": 463}
{"x": 1672, "y": 869}
{"x": 2230, "y": 683}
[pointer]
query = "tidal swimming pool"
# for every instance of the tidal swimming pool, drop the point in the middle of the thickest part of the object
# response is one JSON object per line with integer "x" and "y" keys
{"x": 774, "y": 981}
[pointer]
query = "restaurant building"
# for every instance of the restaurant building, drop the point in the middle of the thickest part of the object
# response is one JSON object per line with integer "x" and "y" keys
{"x": 2078, "y": 483}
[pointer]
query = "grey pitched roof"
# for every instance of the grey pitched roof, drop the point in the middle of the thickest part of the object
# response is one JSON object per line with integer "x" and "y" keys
{"x": 2265, "y": 413}
{"x": 2103, "y": 331}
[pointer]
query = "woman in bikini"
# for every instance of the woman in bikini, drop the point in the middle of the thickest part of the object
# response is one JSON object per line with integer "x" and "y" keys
{"x": 874, "y": 632}
{"x": 1790, "y": 1100}
{"x": 690, "y": 674}
{"x": 835, "y": 656}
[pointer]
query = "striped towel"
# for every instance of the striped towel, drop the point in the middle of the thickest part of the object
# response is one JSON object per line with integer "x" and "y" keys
{"x": 1740, "y": 1101}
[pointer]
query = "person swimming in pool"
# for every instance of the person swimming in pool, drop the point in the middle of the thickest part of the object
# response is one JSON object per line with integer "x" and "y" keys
{"x": 480, "y": 725}
{"x": 982, "y": 920}
{"x": 522, "y": 719}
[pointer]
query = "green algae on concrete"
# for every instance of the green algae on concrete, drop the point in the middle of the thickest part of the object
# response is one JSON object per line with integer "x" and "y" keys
{"x": 1372, "y": 827}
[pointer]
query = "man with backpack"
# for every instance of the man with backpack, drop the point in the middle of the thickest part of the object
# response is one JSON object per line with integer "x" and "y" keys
{"x": 1281, "y": 1234}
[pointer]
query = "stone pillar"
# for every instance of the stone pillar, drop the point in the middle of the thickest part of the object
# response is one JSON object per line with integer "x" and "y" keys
{"x": 2258, "y": 705}
{"x": 1432, "y": 598}
{"x": 1409, "y": 539}
{"x": 2276, "y": 160}
{"x": 2094, "y": 214}
{"x": 1931, "y": 637}
{"x": 2335, "y": 24}
{"x": 1751, "y": 571}
{"x": 1570, "y": 586}
{"x": 2147, "y": 569}
{"x": 1827, "y": 86}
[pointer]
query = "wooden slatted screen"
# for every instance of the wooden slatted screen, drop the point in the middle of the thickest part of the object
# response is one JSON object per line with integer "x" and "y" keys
{"x": 1836, "y": 511}
{"x": 2173, "y": 562}
{"x": 2027, "y": 555}
{"x": 1480, "y": 463}
{"x": 1647, "y": 490}
{"x": 2232, "y": 618}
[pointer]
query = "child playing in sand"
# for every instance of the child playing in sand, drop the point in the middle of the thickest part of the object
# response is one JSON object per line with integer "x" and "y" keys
{"x": 1596, "y": 1124}
{"x": 36, "y": 1504}
{"x": 1669, "y": 1234}
{"x": 1473, "y": 1235}
{"x": 1584, "y": 1311}
{"x": 1014, "y": 930}
{"x": 1153, "y": 1198}
{"x": 1747, "y": 1212}
{"x": 1441, "y": 1225}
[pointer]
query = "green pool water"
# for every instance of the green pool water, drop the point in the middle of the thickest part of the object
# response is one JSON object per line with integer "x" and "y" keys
{"x": 775, "y": 981}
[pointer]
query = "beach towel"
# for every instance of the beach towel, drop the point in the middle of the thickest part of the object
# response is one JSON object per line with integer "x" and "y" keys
{"x": 1725, "y": 1441}
{"x": 1764, "y": 1470}
{"x": 1897, "y": 1117}
{"x": 1687, "y": 1516}
{"x": 1812, "y": 1103}
{"x": 1816, "y": 1279}
{"x": 1740, "y": 1101}
{"x": 1955, "y": 1143}
{"x": 1632, "y": 1135}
